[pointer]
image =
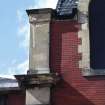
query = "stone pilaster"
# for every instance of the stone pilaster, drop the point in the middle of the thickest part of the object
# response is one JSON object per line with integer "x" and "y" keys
{"x": 39, "y": 41}
{"x": 39, "y": 54}
{"x": 84, "y": 48}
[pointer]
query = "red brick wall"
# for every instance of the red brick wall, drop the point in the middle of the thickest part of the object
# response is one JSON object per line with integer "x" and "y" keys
{"x": 74, "y": 89}
{"x": 16, "y": 98}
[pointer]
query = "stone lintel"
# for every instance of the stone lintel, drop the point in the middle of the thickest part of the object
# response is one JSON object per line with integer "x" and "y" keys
{"x": 93, "y": 72}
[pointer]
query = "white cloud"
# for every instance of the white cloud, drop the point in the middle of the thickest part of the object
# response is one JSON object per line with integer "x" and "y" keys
{"x": 18, "y": 68}
{"x": 23, "y": 30}
{"x": 23, "y": 34}
{"x": 20, "y": 16}
{"x": 7, "y": 76}
{"x": 51, "y": 3}
{"x": 23, "y": 66}
{"x": 44, "y": 4}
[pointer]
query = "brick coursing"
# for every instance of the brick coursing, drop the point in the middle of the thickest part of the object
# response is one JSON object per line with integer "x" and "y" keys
{"x": 73, "y": 89}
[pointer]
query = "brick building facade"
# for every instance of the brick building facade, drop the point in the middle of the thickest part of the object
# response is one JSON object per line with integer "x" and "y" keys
{"x": 74, "y": 89}
{"x": 63, "y": 45}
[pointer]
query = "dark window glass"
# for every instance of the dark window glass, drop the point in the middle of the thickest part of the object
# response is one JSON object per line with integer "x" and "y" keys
{"x": 3, "y": 100}
{"x": 97, "y": 33}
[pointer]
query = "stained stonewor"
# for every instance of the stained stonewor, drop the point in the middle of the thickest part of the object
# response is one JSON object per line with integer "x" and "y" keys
{"x": 83, "y": 33}
{"x": 39, "y": 53}
{"x": 39, "y": 42}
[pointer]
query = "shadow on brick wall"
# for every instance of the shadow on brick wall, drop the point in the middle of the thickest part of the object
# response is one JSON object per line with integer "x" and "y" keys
{"x": 65, "y": 94}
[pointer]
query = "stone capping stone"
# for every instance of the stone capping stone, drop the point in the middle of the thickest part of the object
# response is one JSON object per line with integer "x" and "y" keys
{"x": 39, "y": 15}
{"x": 93, "y": 72}
{"x": 39, "y": 11}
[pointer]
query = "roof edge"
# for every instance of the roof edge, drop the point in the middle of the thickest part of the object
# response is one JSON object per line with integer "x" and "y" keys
{"x": 38, "y": 11}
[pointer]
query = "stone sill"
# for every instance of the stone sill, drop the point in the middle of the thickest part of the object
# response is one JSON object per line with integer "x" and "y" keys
{"x": 92, "y": 72}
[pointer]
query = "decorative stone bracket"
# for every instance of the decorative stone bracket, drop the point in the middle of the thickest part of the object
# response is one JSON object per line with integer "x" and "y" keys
{"x": 37, "y": 80}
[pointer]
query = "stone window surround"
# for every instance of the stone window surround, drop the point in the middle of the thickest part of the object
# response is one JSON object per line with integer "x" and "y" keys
{"x": 84, "y": 48}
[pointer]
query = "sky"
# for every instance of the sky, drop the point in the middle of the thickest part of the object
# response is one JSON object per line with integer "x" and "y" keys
{"x": 14, "y": 34}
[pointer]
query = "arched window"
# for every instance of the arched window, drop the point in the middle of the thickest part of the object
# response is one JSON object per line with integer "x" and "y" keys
{"x": 97, "y": 33}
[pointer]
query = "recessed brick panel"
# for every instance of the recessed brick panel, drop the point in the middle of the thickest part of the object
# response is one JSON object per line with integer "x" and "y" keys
{"x": 73, "y": 89}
